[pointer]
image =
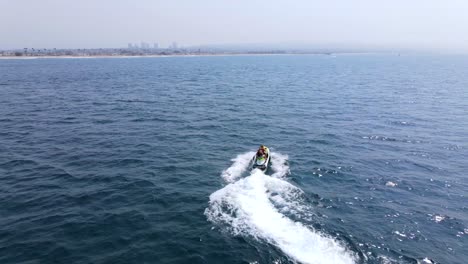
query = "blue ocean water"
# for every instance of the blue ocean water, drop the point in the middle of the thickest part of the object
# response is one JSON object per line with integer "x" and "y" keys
{"x": 146, "y": 160}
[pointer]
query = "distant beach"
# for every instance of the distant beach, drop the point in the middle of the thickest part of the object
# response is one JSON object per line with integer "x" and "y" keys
{"x": 152, "y": 56}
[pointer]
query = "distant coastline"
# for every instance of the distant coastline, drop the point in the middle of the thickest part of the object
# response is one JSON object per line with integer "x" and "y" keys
{"x": 151, "y": 55}
{"x": 137, "y": 52}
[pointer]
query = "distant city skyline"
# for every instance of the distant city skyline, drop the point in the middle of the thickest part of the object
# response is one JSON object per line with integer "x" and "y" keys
{"x": 148, "y": 45}
{"x": 360, "y": 24}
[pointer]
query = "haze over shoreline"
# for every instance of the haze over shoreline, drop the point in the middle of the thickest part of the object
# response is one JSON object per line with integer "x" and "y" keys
{"x": 200, "y": 50}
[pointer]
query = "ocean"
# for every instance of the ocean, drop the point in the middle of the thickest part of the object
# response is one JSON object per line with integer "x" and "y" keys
{"x": 147, "y": 160}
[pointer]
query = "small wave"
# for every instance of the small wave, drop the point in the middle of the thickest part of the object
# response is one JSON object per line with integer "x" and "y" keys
{"x": 390, "y": 139}
{"x": 382, "y": 138}
{"x": 135, "y": 101}
{"x": 17, "y": 163}
{"x": 426, "y": 261}
{"x": 103, "y": 121}
{"x": 317, "y": 171}
{"x": 264, "y": 208}
{"x": 438, "y": 218}
{"x": 453, "y": 147}
{"x": 402, "y": 123}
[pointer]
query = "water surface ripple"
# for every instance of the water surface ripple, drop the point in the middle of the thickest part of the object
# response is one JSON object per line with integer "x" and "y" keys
{"x": 131, "y": 160}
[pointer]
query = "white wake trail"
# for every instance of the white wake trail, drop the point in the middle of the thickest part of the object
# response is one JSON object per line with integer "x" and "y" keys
{"x": 240, "y": 165}
{"x": 279, "y": 165}
{"x": 257, "y": 206}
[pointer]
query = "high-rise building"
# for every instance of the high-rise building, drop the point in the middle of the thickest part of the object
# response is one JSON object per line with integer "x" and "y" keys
{"x": 130, "y": 46}
{"x": 144, "y": 45}
{"x": 155, "y": 45}
{"x": 173, "y": 45}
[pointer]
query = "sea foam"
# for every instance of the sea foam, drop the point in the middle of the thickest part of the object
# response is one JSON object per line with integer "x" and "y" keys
{"x": 259, "y": 206}
{"x": 240, "y": 165}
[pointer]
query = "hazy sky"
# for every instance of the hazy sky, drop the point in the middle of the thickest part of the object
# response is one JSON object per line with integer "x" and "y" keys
{"x": 436, "y": 24}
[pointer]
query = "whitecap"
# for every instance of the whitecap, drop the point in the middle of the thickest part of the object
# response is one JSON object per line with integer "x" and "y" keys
{"x": 438, "y": 218}
{"x": 426, "y": 261}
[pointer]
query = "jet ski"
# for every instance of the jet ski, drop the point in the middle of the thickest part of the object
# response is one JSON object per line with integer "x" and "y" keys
{"x": 261, "y": 162}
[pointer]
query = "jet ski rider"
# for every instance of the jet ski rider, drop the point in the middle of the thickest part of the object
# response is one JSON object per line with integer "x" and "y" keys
{"x": 262, "y": 152}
